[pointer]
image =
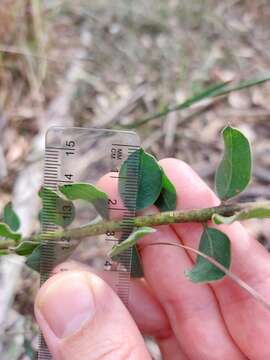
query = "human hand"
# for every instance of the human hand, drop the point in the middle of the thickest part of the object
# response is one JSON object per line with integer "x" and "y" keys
{"x": 82, "y": 318}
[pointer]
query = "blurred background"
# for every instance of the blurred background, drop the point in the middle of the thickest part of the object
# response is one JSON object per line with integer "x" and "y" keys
{"x": 110, "y": 64}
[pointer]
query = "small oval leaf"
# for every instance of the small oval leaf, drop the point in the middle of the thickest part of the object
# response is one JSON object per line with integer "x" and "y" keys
{"x": 10, "y": 217}
{"x": 136, "y": 264}
{"x": 56, "y": 209}
{"x": 131, "y": 240}
{"x": 256, "y": 211}
{"x": 87, "y": 192}
{"x": 60, "y": 254}
{"x": 7, "y": 233}
{"x": 25, "y": 248}
{"x": 234, "y": 172}
{"x": 219, "y": 219}
{"x": 167, "y": 197}
{"x": 149, "y": 178}
{"x": 33, "y": 260}
{"x": 216, "y": 245}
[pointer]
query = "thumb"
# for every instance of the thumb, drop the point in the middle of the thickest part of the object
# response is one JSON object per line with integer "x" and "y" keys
{"x": 83, "y": 319}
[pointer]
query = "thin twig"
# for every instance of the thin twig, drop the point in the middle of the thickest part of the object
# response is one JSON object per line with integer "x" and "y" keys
{"x": 257, "y": 296}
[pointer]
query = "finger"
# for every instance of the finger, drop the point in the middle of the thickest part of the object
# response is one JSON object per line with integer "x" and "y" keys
{"x": 250, "y": 261}
{"x": 170, "y": 349}
{"x": 82, "y": 319}
{"x": 143, "y": 306}
{"x": 192, "y": 310}
{"x": 189, "y": 307}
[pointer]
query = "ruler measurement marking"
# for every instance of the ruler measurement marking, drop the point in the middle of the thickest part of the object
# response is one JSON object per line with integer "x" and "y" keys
{"x": 52, "y": 148}
{"x": 126, "y": 145}
{"x": 51, "y": 171}
{"x": 50, "y": 177}
{"x": 49, "y": 225}
{"x": 51, "y": 161}
{"x": 66, "y": 181}
{"x": 51, "y": 174}
{"x": 51, "y": 153}
{"x": 118, "y": 177}
{"x": 116, "y": 209}
{"x": 51, "y": 156}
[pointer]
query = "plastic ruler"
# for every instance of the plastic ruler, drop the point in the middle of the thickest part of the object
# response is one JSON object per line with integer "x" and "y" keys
{"x": 84, "y": 155}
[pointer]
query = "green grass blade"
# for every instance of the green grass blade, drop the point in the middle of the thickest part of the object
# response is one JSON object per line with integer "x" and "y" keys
{"x": 185, "y": 104}
{"x": 216, "y": 90}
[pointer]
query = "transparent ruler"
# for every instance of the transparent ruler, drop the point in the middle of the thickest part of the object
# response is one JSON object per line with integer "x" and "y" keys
{"x": 85, "y": 155}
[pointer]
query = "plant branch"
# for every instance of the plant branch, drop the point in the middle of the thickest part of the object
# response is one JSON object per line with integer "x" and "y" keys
{"x": 164, "y": 218}
{"x": 6, "y": 244}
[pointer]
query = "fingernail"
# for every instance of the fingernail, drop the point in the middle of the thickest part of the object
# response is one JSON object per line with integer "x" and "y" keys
{"x": 67, "y": 304}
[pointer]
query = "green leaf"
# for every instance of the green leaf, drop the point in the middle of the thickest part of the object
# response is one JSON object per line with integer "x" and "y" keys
{"x": 56, "y": 209}
{"x": 87, "y": 192}
{"x": 10, "y": 217}
{"x": 131, "y": 240}
{"x": 3, "y": 252}
{"x": 136, "y": 265}
{"x": 33, "y": 260}
{"x": 25, "y": 248}
{"x": 234, "y": 172}
{"x": 6, "y": 232}
{"x": 167, "y": 198}
{"x": 40, "y": 216}
{"x": 215, "y": 244}
{"x": 28, "y": 349}
{"x": 219, "y": 219}
{"x": 256, "y": 211}
{"x": 149, "y": 179}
